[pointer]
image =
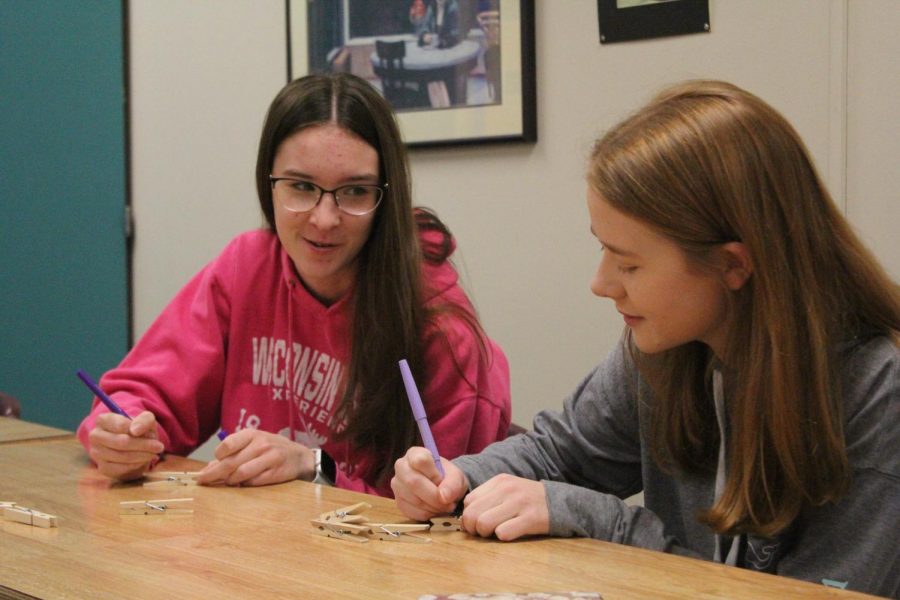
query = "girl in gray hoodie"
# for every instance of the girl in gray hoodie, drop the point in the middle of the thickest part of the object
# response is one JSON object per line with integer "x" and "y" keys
{"x": 755, "y": 396}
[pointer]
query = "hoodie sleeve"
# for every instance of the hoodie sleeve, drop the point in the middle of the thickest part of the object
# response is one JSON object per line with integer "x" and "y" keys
{"x": 177, "y": 368}
{"x": 589, "y": 458}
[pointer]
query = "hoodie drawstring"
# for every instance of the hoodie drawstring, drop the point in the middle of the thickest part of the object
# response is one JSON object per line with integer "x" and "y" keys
{"x": 290, "y": 360}
{"x": 719, "y": 399}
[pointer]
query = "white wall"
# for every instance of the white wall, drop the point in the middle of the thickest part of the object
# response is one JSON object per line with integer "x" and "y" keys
{"x": 202, "y": 76}
{"x": 203, "y": 73}
{"x": 873, "y": 127}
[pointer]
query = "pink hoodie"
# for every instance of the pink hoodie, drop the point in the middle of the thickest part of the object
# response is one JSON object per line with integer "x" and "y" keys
{"x": 244, "y": 332}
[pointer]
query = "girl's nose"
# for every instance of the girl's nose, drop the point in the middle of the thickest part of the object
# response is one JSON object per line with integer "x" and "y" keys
{"x": 605, "y": 284}
{"x": 326, "y": 214}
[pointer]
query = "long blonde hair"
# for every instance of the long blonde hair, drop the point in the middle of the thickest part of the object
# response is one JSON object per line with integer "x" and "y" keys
{"x": 707, "y": 163}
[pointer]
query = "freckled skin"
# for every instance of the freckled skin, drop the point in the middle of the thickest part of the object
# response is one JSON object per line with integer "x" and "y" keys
{"x": 325, "y": 242}
{"x": 663, "y": 300}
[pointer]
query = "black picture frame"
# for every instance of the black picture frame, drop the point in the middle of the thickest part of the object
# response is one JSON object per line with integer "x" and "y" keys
{"x": 651, "y": 19}
{"x": 501, "y": 110}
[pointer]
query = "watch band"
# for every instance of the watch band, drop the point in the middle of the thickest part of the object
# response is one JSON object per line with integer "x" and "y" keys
{"x": 321, "y": 475}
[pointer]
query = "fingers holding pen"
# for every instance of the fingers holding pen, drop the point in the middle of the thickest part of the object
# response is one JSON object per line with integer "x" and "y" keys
{"x": 144, "y": 426}
{"x": 252, "y": 457}
{"x": 419, "y": 489}
{"x": 118, "y": 433}
{"x": 120, "y": 451}
{"x": 226, "y": 459}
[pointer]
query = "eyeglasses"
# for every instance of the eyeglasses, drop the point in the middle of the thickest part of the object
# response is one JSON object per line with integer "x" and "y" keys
{"x": 298, "y": 195}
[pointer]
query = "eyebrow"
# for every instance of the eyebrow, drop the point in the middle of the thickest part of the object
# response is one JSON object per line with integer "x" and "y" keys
{"x": 365, "y": 178}
{"x": 619, "y": 251}
{"x": 614, "y": 249}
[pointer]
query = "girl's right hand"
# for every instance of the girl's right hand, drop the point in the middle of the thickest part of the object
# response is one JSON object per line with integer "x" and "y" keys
{"x": 122, "y": 448}
{"x": 418, "y": 488}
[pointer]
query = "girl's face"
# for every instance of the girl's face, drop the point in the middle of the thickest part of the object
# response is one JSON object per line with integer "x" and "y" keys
{"x": 664, "y": 301}
{"x": 324, "y": 243}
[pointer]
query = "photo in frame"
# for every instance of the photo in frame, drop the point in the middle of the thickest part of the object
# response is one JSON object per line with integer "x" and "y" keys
{"x": 455, "y": 71}
{"x": 626, "y": 20}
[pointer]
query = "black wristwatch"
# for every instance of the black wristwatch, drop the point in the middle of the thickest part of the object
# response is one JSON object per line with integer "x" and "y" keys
{"x": 325, "y": 468}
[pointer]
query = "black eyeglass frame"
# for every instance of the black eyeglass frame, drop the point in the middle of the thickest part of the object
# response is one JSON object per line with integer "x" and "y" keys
{"x": 381, "y": 187}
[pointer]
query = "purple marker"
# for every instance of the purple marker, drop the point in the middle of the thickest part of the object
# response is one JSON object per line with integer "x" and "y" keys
{"x": 415, "y": 402}
{"x": 110, "y": 404}
{"x": 222, "y": 435}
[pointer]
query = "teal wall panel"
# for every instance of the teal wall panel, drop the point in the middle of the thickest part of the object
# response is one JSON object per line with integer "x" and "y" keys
{"x": 63, "y": 255}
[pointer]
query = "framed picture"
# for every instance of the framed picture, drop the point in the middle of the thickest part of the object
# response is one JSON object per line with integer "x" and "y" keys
{"x": 455, "y": 71}
{"x": 624, "y": 20}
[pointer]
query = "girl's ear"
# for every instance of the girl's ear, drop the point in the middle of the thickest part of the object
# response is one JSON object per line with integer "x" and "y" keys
{"x": 736, "y": 265}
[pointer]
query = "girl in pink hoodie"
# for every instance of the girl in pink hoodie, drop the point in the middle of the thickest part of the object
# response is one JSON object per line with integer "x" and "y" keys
{"x": 290, "y": 339}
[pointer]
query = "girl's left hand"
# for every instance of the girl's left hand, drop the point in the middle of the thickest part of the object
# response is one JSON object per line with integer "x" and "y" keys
{"x": 507, "y": 506}
{"x": 253, "y": 457}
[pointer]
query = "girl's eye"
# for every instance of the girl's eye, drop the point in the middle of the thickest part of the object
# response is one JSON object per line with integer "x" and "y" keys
{"x": 627, "y": 270}
{"x": 355, "y": 190}
{"x": 303, "y": 186}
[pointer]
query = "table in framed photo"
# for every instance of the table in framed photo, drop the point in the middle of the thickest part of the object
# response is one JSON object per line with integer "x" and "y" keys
{"x": 455, "y": 71}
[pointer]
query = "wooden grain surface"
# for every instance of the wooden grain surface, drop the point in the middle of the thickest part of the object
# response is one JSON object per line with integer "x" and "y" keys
{"x": 16, "y": 431}
{"x": 257, "y": 542}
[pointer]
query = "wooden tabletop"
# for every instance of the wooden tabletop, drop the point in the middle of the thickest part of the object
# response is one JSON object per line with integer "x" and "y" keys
{"x": 258, "y": 542}
{"x": 15, "y": 430}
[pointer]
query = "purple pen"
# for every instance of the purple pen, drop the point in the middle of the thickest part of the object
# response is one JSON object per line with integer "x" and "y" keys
{"x": 415, "y": 402}
{"x": 110, "y": 404}
{"x": 222, "y": 435}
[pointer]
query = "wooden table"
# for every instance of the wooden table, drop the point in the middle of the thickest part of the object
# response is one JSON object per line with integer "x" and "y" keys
{"x": 15, "y": 431}
{"x": 257, "y": 542}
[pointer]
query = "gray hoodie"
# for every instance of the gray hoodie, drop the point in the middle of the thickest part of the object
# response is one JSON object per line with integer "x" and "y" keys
{"x": 594, "y": 454}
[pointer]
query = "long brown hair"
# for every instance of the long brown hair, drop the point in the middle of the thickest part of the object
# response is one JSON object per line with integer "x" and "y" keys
{"x": 389, "y": 316}
{"x": 707, "y": 163}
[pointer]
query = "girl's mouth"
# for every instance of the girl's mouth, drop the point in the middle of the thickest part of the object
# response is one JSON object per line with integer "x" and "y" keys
{"x": 631, "y": 320}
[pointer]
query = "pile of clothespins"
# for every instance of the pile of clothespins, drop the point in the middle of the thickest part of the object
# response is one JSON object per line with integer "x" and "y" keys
{"x": 348, "y": 524}
{"x": 22, "y": 514}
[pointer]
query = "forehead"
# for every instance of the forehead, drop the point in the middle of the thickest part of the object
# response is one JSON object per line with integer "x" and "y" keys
{"x": 320, "y": 145}
{"x": 606, "y": 220}
{"x": 617, "y": 229}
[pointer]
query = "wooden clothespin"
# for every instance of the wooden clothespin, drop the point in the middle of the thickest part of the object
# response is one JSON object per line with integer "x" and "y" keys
{"x": 446, "y": 523}
{"x": 22, "y": 514}
{"x": 166, "y": 478}
{"x": 347, "y": 514}
{"x": 172, "y": 506}
{"x": 398, "y": 532}
{"x": 344, "y": 531}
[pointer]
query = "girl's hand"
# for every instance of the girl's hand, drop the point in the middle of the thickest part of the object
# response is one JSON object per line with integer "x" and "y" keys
{"x": 123, "y": 448}
{"x": 418, "y": 488}
{"x": 253, "y": 457}
{"x": 507, "y": 506}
